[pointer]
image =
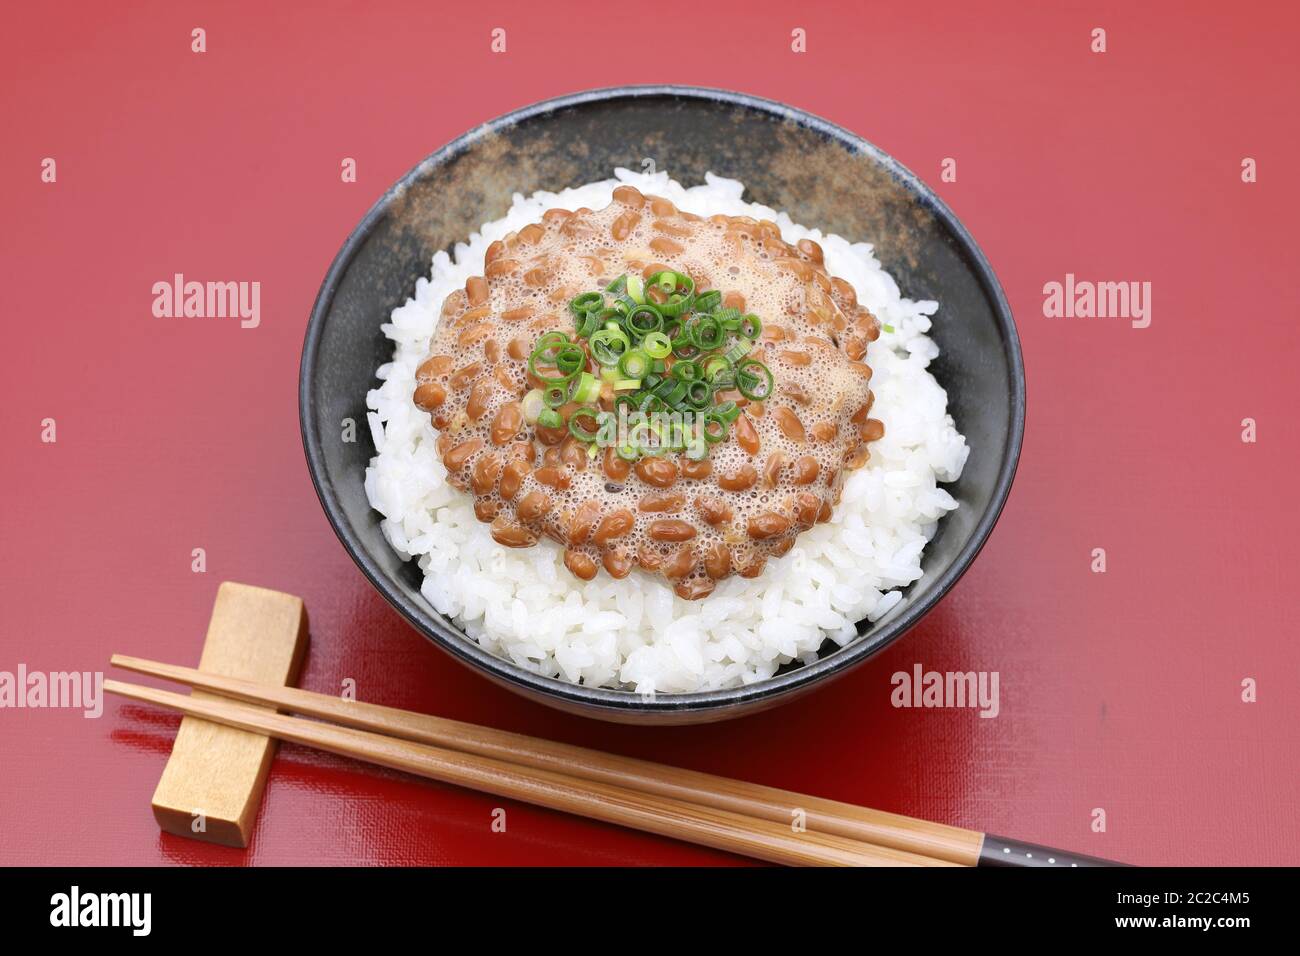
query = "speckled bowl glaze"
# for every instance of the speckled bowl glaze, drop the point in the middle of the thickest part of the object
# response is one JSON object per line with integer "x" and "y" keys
{"x": 788, "y": 159}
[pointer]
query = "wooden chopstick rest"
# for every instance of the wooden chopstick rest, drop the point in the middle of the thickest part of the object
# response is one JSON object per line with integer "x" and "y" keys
{"x": 212, "y": 785}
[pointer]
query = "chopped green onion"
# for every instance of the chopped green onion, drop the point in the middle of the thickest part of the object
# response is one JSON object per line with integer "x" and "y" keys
{"x": 671, "y": 281}
{"x": 685, "y": 370}
{"x": 634, "y": 364}
{"x": 715, "y": 427}
{"x": 707, "y": 333}
{"x": 678, "y": 290}
{"x": 587, "y": 302}
{"x": 571, "y": 360}
{"x": 728, "y": 318}
{"x": 657, "y": 345}
{"x": 683, "y": 347}
{"x": 587, "y": 390}
{"x": 644, "y": 319}
{"x": 636, "y": 288}
{"x": 555, "y": 395}
{"x": 728, "y": 411}
{"x": 724, "y": 381}
{"x": 887, "y": 328}
{"x": 671, "y": 392}
{"x": 532, "y": 405}
{"x": 754, "y": 379}
{"x": 634, "y": 433}
{"x": 675, "y": 305}
{"x": 608, "y": 345}
{"x": 578, "y": 431}
{"x": 708, "y": 301}
{"x": 716, "y": 364}
{"x": 564, "y": 356}
{"x": 549, "y": 339}
{"x": 698, "y": 394}
{"x": 736, "y": 354}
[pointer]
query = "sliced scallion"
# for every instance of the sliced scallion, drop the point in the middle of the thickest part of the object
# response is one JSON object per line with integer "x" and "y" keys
{"x": 754, "y": 379}
{"x": 714, "y": 428}
{"x": 708, "y": 301}
{"x": 532, "y": 405}
{"x": 728, "y": 411}
{"x": 587, "y": 389}
{"x": 608, "y": 345}
{"x": 657, "y": 345}
{"x": 636, "y": 288}
{"x": 685, "y": 370}
{"x": 555, "y": 395}
{"x": 579, "y": 430}
{"x": 644, "y": 319}
{"x": 634, "y": 364}
{"x": 587, "y": 302}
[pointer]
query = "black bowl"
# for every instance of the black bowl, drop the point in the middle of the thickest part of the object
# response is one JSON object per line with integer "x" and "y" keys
{"x": 820, "y": 174}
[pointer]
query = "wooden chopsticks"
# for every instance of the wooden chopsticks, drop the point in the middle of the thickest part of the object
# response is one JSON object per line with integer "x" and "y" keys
{"x": 760, "y": 839}
{"x": 731, "y": 815}
{"x": 937, "y": 842}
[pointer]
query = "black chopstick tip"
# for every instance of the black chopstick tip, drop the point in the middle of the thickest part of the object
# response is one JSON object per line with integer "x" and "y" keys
{"x": 1004, "y": 851}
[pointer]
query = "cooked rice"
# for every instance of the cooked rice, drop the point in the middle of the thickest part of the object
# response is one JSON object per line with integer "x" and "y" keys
{"x": 636, "y": 633}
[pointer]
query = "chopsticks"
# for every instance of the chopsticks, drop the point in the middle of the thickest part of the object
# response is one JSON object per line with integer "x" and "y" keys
{"x": 740, "y": 817}
{"x": 888, "y": 830}
{"x": 760, "y": 839}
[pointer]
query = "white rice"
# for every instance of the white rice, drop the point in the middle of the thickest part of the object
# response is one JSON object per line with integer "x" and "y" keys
{"x": 636, "y": 633}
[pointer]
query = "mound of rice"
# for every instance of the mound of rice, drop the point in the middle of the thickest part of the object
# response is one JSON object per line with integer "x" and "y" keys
{"x": 636, "y": 633}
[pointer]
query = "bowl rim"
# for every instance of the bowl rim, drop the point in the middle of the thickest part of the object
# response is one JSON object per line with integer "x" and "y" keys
{"x": 585, "y": 697}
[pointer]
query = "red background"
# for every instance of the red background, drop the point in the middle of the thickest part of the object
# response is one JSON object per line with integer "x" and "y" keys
{"x": 1119, "y": 690}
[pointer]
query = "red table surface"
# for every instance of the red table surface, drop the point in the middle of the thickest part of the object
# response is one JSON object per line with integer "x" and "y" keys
{"x": 1119, "y": 691}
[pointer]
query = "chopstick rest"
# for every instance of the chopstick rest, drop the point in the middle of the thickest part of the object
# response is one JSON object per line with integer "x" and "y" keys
{"x": 212, "y": 785}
